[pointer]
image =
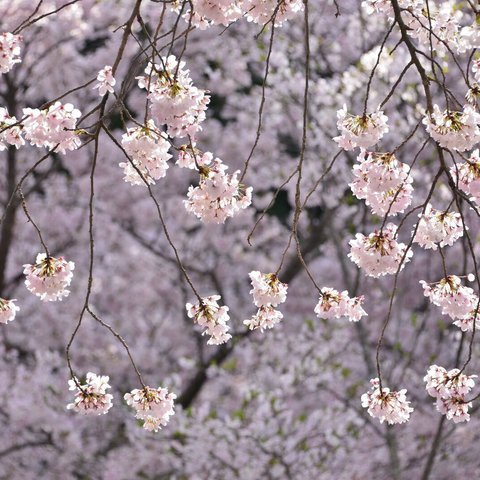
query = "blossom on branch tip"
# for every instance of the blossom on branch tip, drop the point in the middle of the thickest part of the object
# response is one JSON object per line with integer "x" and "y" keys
{"x": 437, "y": 227}
{"x": 383, "y": 182}
{"x": 148, "y": 149}
{"x": 53, "y": 126}
{"x": 218, "y": 195}
{"x": 8, "y": 310}
{"x": 91, "y": 397}
{"x": 388, "y": 406}
{"x": 267, "y": 289}
{"x": 49, "y": 277}
{"x": 9, "y": 51}
{"x": 212, "y": 317}
{"x": 454, "y": 130}
{"x": 106, "y": 81}
{"x": 266, "y": 317}
{"x": 360, "y": 130}
{"x": 379, "y": 253}
{"x": 153, "y": 406}
{"x": 333, "y": 304}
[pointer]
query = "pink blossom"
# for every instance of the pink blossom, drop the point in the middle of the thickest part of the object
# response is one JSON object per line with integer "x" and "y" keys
{"x": 49, "y": 277}
{"x": 153, "y": 406}
{"x": 379, "y": 253}
{"x": 106, "y": 82}
{"x": 9, "y": 51}
{"x": 91, "y": 397}
{"x": 212, "y": 317}
{"x": 8, "y": 310}
{"x": 386, "y": 405}
{"x": 333, "y": 304}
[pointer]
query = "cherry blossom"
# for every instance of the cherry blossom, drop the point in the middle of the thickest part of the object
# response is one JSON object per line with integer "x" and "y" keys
{"x": 454, "y": 408}
{"x": 443, "y": 383}
{"x": 153, "y": 406}
{"x": 106, "y": 81}
{"x": 267, "y": 289}
{"x": 266, "y": 317}
{"x": 467, "y": 175}
{"x": 438, "y": 228}
{"x": 49, "y": 277}
{"x": 379, "y": 253}
{"x": 148, "y": 149}
{"x": 9, "y": 51}
{"x": 10, "y": 134}
{"x": 212, "y": 317}
{"x": 333, "y": 304}
{"x": 174, "y": 101}
{"x": 383, "y": 181}
{"x": 360, "y": 130}
{"x": 456, "y": 300}
{"x": 8, "y": 310}
{"x": 53, "y": 126}
{"x": 219, "y": 195}
{"x": 392, "y": 407}
{"x": 454, "y": 130}
{"x": 91, "y": 397}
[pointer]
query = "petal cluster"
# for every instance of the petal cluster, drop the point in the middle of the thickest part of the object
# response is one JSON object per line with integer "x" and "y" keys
{"x": 53, "y": 126}
{"x": 454, "y": 130}
{"x": 212, "y": 317}
{"x": 153, "y": 406}
{"x": 9, "y": 51}
{"x": 383, "y": 182}
{"x": 379, "y": 253}
{"x": 105, "y": 81}
{"x": 449, "y": 388}
{"x": 334, "y": 304}
{"x": 218, "y": 195}
{"x": 385, "y": 405}
{"x": 8, "y": 310}
{"x": 49, "y": 277}
{"x": 268, "y": 292}
{"x": 360, "y": 130}
{"x": 438, "y": 228}
{"x": 148, "y": 149}
{"x": 91, "y": 397}
{"x": 174, "y": 100}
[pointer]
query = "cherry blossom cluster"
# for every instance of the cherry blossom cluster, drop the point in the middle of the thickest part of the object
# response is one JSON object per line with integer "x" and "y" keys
{"x": 10, "y": 134}
{"x": 91, "y": 397}
{"x": 262, "y": 11}
{"x": 53, "y": 126}
{"x": 360, "y": 130}
{"x": 9, "y": 51}
{"x": 454, "y": 130}
{"x": 8, "y": 310}
{"x": 174, "y": 100}
{"x": 455, "y": 299}
{"x": 223, "y": 12}
{"x": 383, "y": 182}
{"x": 467, "y": 174}
{"x": 438, "y": 228}
{"x": 49, "y": 277}
{"x": 212, "y": 317}
{"x": 449, "y": 388}
{"x": 153, "y": 406}
{"x": 379, "y": 253}
{"x": 334, "y": 304}
{"x": 148, "y": 149}
{"x": 385, "y": 405}
{"x": 218, "y": 195}
{"x": 268, "y": 292}
{"x": 105, "y": 81}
